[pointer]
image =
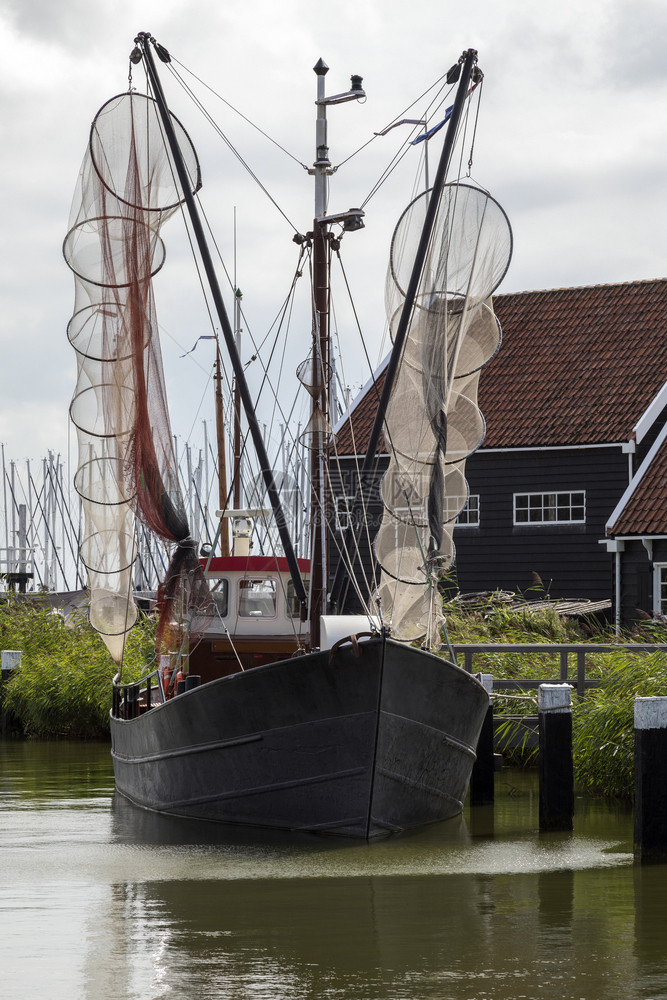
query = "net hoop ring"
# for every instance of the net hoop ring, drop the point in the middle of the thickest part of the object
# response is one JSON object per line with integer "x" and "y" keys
{"x": 157, "y": 258}
{"x": 79, "y": 321}
{"x": 181, "y": 134}
{"x": 393, "y": 249}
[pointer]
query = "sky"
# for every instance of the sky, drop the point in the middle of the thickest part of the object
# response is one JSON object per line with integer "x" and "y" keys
{"x": 571, "y": 140}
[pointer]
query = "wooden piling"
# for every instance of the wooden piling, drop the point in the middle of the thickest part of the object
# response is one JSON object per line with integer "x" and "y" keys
{"x": 482, "y": 778}
{"x": 554, "y": 709}
{"x": 10, "y": 660}
{"x": 650, "y": 826}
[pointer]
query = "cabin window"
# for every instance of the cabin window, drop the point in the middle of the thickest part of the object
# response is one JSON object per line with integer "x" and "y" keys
{"x": 660, "y": 590}
{"x": 470, "y": 513}
{"x": 293, "y": 606}
{"x": 257, "y": 598}
{"x": 220, "y": 592}
{"x": 344, "y": 507}
{"x": 550, "y": 508}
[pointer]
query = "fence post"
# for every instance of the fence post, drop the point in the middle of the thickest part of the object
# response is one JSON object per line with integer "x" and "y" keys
{"x": 581, "y": 673}
{"x": 554, "y": 710}
{"x": 483, "y": 770}
{"x": 650, "y": 828}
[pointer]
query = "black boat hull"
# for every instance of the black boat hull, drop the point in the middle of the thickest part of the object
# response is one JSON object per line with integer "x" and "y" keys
{"x": 358, "y": 742}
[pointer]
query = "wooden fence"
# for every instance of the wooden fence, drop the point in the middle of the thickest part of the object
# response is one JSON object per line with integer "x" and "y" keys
{"x": 563, "y": 651}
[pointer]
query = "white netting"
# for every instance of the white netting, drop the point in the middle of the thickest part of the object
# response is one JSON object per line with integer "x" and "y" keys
{"x": 433, "y": 423}
{"x": 125, "y": 192}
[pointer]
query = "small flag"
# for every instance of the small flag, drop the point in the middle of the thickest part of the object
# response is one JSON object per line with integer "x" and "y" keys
{"x": 210, "y": 337}
{"x": 436, "y": 128}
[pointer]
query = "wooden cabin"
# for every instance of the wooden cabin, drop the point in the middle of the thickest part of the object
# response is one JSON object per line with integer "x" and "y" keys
{"x": 258, "y": 616}
{"x": 574, "y": 403}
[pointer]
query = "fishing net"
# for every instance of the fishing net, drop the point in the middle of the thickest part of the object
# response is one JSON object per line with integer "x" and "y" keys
{"x": 433, "y": 422}
{"x": 126, "y": 190}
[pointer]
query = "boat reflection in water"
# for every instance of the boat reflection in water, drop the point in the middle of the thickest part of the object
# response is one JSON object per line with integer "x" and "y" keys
{"x": 440, "y": 913}
{"x": 118, "y": 903}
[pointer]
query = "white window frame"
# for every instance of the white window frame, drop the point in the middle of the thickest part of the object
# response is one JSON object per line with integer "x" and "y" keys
{"x": 343, "y": 512}
{"x": 660, "y": 589}
{"x": 470, "y": 512}
{"x": 550, "y": 502}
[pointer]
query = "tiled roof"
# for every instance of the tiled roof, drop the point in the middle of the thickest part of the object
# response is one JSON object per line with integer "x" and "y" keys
{"x": 352, "y": 438}
{"x": 577, "y": 366}
{"x": 645, "y": 513}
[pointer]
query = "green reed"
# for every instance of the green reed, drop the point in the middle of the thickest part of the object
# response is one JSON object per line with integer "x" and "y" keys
{"x": 63, "y": 686}
{"x": 603, "y": 722}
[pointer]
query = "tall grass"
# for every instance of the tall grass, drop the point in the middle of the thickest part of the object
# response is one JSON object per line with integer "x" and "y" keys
{"x": 494, "y": 621}
{"x": 603, "y": 723}
{"x": 63, "y": 686}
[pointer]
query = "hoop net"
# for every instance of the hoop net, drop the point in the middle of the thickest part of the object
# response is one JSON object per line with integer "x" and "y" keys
{"x": 433, "y": 422}
{"x": 126, "y": 190}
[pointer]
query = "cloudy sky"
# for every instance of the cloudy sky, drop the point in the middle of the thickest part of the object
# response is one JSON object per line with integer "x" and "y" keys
{"x": 572, "y": 141}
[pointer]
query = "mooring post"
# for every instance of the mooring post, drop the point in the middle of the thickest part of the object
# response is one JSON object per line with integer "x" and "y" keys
{"x": 650, "y": 833}
{"x": 11, "y": 660}
{"x": 554, "y": 710}
{"x": 482, "y": 778}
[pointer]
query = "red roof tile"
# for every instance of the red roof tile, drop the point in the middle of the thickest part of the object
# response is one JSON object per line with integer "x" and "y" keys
{"x": 645, "y": 513}
{"x": 352, "y": 438}
{"x": 576, "y": 366}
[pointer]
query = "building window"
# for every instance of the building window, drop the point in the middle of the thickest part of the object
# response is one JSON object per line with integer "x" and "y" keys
{"x": 470, "y": 513}
{"x": 344, "y": 507}
{"x": 660, "y": 589}
{"x": 550, "y": 508}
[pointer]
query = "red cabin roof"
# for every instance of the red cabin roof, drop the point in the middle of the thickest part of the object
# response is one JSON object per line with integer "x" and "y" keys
{"x": 252, "y": 564}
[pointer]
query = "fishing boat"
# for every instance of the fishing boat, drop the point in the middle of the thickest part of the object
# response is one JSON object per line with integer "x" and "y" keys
{"x": 267, "y": 704}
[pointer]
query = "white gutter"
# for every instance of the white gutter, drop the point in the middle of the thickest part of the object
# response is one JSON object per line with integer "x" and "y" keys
{"x": 636, "y": 480}
{"x": 650, "y": 414}
{"x": 359, "y": 398}
{"x": 557, "y": 447}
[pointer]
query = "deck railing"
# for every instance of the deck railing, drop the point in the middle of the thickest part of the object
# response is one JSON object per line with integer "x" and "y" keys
{"x": 561, "y": 650}
{"x": 130, "y": 698}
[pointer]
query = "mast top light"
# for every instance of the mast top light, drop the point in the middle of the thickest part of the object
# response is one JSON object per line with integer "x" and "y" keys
{"x": 356, "y": 93}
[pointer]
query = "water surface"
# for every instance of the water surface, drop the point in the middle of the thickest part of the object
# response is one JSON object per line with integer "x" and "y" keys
{"x": 103, "y": 901}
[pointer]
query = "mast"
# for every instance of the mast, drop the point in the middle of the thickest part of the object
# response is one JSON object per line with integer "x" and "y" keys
{"x": 222, "y": 451}
{"x": 320, "y": 366}
{"x": 143, "y": 41}
{"x": 467, "y": 61}
{"x": 321, "y": 363}
{"x": 237, "y": 403}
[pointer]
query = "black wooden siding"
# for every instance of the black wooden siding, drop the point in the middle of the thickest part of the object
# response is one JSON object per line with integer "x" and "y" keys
{"x": 637, "y": 578}
{"x": 499, "y": 555}
{"x": 567, "y": 557}
{"x": 346, "y": 479}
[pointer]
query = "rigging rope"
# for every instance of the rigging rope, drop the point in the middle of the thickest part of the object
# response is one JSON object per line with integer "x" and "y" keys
{"x": 229, "y": 143}
{"x": 235, "y": 110}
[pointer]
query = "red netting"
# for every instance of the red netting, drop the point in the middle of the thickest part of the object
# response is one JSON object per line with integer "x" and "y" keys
{"x": 127, "y": 188}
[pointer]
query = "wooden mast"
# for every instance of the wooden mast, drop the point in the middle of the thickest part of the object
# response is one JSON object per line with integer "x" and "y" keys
{"x": 320, "y": 368}
{"x": 222, "y": 451}
{"x": 321, "y": 365}
{"x": 237, "y": 404}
